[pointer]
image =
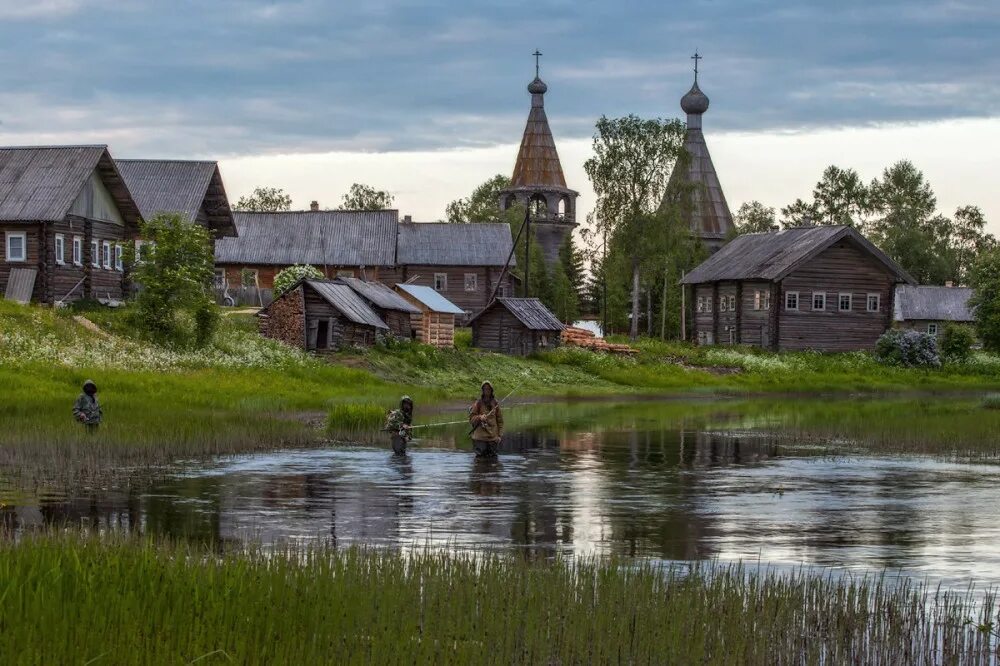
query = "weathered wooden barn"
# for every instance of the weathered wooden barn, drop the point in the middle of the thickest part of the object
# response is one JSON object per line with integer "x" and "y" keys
{"x": 929, "y": 309}
{"x": 463, "y": 262}
{"x": 65, "y": 214}
{"x": 435, "y": 324}
{"x": 321, "y": 316}
{"x": 518, "y": 326}
{"x": 823, "y": 288}
{"x": 392, "y": 308}
{"x": 339, "y": 243}
{"x": 192, "y": 188}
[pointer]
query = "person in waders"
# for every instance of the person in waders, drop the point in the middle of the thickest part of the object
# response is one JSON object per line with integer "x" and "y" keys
{"x": 399, "y": 423}
{"x": 86, "y": 409}
{"x": 486, "y": 420}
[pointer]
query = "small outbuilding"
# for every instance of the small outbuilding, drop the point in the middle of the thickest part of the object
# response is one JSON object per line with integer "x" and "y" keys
{"x": 321, "y": 316}
{"x": 393, "y": 309}
{"x": 518, "y": 326}
{"x": 928, "y": 308}
{"x": 435, "y": 323}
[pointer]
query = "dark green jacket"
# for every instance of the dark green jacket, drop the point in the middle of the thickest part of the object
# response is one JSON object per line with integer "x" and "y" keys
{"x": 89, "y": 407}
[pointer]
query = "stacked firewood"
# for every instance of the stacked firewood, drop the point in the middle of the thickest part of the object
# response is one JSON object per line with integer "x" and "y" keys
{"x": 581, "y": 337}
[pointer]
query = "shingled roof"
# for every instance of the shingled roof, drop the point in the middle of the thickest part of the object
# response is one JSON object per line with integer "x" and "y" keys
{"x": 380, "y": 295}
{"x": 529, "y": 311}
{"x": 448, "y": 244}
{"x": 537, "y": 162}
{"x": 347, "y": 302}
{"x": 180, "y": 186}
{"x": 320, "y": 238}
{"x": 41, "y": 183}
{"x": 771, "y": 256}
{"x": 932, "y": 303}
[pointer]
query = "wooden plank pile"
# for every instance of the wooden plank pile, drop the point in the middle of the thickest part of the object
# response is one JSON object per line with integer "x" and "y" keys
{"x": 580, "y": 337}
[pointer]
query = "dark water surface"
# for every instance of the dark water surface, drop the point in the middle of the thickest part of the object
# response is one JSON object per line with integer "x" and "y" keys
{"x": 674, "y": 481}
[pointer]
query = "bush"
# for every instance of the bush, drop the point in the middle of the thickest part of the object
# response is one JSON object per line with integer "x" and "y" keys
{"x": 956, "y": 343}
{"x": 284, "y": 280}
{"x": 910, "y": 349}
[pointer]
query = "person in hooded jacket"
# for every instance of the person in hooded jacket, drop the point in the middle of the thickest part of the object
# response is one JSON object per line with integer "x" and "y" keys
{"x": 486, "y": 419}
{"x": 86, "y": 409}
{"x": 399, "y": 423}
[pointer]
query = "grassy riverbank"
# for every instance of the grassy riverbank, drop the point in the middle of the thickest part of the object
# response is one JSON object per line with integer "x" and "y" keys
{"x": 179, "y": 604}
{"x": 244, "y": 393}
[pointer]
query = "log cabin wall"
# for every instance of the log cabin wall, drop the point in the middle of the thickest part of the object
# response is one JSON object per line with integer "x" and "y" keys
{"x": 69, "y": 279}
{"x": 726, "y": 310}
{"x": 267, "y": 273}
{"x": 470, "y": 300}
{"x": 104, "y": 282}
{"x": 285, "y": 320}
{"x": 488, "y": 330}
{"x": 398, "y": 321}
{"x": 704, "y": 313}
{"x": 842, "y": 268}
{"x": 32, "y": 255}
{"x": 754, "y": 313}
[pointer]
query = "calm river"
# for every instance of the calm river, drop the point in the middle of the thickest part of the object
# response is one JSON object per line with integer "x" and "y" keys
{"x": 670, "y": 480}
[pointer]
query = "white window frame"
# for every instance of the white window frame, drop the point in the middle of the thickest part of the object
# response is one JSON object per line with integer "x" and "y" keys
{"x": 788, "y": 296}
{"x": 256, "y": 278}
{"x": 878, "y": 302}
{"x": 767, "y": 299}
{"x": 95, "y": 253}
{"x": 840, "y": 302}
{"x": 700, "y": 304}
{"x": 822, "y": 296}
{"x": 119, "y": 260}
{"x": 732, "y": 302}
{"x": 219, "y": 278}
{"x": 709, "y": 303}
{"x": 474, "y": 282}
{"x": 78, "y": 250}
{"x": 8, "y": 255}
{"x": 443, "y": 277}
{"x": 106, "y": 255}
{"x": 932, "y": 328}
{"x": 59, "y": 247}
{"x": 756, "y": 299}
{"x": 722, "y": 303}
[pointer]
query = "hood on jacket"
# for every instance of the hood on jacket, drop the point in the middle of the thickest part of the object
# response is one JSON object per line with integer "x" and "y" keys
{"x": 89, "y": 384}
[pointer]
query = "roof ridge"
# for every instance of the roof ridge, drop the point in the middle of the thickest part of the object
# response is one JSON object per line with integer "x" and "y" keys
{"x": 57, "y": 146}
{"x": 154, "y": 159}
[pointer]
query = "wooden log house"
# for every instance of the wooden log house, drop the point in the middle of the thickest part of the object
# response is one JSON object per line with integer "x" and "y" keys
{"x": 518, "y": 326}
{"x": 821, "y": 288}
{"x": 392, "y": 308}
{"x": 929, "y": 309}
{"x": 435, "y": 323}
{"x": 65, "y": 214}
{"x": 321, "y": 316}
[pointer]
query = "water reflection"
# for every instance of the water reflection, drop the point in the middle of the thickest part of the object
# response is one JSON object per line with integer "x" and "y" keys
{"x": 714, "y": 486}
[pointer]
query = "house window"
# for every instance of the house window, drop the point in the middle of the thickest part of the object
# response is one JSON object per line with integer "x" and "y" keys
{"x": 767, "y": 300}
{"x": 846, "y": 301}
{"x": 819, "y": 300}
{"x": 441, "y": 282}
{"x": 119, "y": 264}
{"x": 932, "y": 328}
{"x": 708, "y": 304}
{"x": 756, "y": 299}
{"x": 77, "y": 251}
{"x": 874, "y": 301}
{"x": 345, "y": 274}
{"x": 60, "y": 247}
{"x": 220, "y": 278}
{"x": 722, "y": 303}
{"x": 106, "y": 254}
{"x": 249, "y": 277}
{"x": 700, "y": 307}
{"x": 791, "y": 300}
{"x": 732, "y": 303}
{"x": 95, "y": 254}
{"x": 17, "y": 246}
{"x": 471, "y": 282}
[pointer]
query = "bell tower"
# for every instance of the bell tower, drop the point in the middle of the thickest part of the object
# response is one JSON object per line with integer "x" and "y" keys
{"x": 538, "y": 182}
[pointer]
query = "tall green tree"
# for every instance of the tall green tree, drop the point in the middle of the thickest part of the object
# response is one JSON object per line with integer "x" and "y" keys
{"x": 753, "y": 217}
{"x": 985, "y": 280}
{"x": 841, "y": 198}
{"x": 483, "y": 205}
{"x": 265, "y": 200}
{"x": 365, "y": 197}
{"x": 632, "y": 162}
{"x": 969, "y": 240}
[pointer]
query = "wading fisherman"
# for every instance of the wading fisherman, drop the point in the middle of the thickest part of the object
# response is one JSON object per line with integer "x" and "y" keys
{"x": 86, "y": 409}
{"x": 487, "y": 423}
{"x": 398, "y": 423}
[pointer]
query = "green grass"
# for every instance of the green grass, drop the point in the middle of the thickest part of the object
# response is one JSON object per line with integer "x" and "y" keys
{"x": 67, "y": 600}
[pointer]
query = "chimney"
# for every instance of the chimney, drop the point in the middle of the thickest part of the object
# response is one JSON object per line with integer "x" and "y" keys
{"x": 314, "y": 206}
{"x": 949, "y": 283}
{"x": 407, "y": 219}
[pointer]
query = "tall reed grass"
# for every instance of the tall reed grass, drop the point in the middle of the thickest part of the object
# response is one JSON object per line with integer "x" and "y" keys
{"x": 67, "y": 600}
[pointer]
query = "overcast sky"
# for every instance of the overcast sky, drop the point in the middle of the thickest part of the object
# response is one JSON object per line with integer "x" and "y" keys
{"x": 434, "y": 92}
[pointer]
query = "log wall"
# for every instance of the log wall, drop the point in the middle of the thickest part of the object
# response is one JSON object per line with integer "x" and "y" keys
{"x": 470, "y": 301}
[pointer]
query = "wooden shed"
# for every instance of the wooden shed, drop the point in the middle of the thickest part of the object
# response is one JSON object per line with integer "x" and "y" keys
{"x": 394, "y": 310}
{"x": 929, "y": 308}
{"x": 824, "y": 288}
{"x": 320, "y": 316}
{"x": 518, "y": 326}
{"x": 435, "y": 324}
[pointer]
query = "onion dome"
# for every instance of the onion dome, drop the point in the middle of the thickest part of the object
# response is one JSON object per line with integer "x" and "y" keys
{"x": 537, "y": 87}
{"x": 695, "y": 102}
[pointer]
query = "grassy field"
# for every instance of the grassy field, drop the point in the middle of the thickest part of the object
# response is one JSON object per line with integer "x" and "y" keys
{"x": 67, "y": 600}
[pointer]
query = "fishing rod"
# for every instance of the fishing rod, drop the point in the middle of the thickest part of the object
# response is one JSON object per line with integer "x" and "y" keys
{"x": 434, "y": 425}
